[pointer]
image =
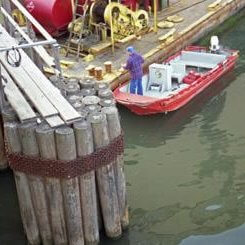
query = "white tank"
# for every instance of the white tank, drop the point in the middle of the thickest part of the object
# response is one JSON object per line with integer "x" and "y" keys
{"x": 214, "y": 44}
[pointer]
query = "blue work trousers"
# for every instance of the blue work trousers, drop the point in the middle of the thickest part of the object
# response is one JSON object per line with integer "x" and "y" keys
{"x": 136, "y": 84}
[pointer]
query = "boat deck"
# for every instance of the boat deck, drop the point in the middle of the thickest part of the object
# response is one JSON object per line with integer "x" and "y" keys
{"x": 155, "y": 92}
{"x": 181, "y": 65}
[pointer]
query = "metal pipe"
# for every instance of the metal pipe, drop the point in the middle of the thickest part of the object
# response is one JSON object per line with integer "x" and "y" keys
{"x": 28, "y": 45}
{"x": 112, "y": 31}
{"x": 55, "y": 50}
{"x": 73, "y": 7}
{"x": 43, "y": 54}
{"x": 155, "y": 15}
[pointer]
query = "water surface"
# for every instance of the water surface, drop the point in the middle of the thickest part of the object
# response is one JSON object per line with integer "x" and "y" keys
{"x": 185, "y": 171}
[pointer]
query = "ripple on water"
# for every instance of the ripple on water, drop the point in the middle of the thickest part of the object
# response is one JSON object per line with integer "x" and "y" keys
{"x": 213, "y": 207}
{"x": 131, "y": 162}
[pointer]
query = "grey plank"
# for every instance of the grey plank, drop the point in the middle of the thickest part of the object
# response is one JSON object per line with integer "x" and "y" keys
{"x": 54, "y": 121}
{"x": 20, "y": 77}
{"x": 16, "y": 99}
{"x": 65, "y": 109}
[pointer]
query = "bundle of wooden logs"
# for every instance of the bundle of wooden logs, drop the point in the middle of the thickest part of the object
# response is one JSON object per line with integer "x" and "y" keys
{"x": 64, "y": 204}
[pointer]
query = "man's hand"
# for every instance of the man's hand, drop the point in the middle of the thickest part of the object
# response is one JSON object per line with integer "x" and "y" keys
{"x": 123, "y": 66}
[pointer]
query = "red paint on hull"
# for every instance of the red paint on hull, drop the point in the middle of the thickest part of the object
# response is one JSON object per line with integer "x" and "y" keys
{"x": 144, "y": 105}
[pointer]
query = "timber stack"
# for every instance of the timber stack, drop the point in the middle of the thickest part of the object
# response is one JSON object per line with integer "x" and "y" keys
{"x": 70, "y": 179}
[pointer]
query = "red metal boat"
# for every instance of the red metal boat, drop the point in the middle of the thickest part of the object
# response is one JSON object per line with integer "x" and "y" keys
{"x": 172, "y": 84}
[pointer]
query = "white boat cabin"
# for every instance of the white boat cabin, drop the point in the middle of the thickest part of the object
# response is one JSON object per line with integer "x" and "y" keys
{"x": 165, "y": 80}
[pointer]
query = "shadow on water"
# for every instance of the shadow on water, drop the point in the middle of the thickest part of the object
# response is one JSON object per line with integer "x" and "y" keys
{"x": 10, "y": 223}
{"x": 154, "y": 130}
{"x": 205, "y": 216}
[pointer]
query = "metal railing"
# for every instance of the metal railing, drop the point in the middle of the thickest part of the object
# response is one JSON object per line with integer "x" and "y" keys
{"x": 37, "y": 45}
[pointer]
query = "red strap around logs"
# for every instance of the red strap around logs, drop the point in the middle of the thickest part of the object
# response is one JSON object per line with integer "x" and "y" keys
{"x": 66, "y": 169}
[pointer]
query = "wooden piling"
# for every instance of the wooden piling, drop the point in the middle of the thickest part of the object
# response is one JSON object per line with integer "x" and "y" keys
{"x": 73, "y": 98}
{"x": 87, "y": 82}
{"x": 3, "y": 159}
{"x": 115, "y": 130}
{"x": 100, "y": 86}
{"x": 87, "y": 91}
{"x": 47, "y": 148}
{"x": 24, "y": 195}
{"x": 78, "y": 105}
{"x": 73, "y": 80}
{"x": 93, "y": 108}
{"x": 106, "y": 180}
{"x": 36, "y": 183}
{"x": 72, "y": 88}
{"x": 8, "y": 114}
{"x": 105, "y": 94}
{"x": 66, "y": 150}
{"x": 90, "y": 100}
{"x": 107, "y": 102}
{"x": 84, "y": 144}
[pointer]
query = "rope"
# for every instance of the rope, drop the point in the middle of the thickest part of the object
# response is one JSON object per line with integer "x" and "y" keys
{"x": 66, "y": 169}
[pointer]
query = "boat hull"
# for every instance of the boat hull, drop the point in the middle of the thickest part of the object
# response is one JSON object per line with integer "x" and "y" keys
{"x": 144, "y": 105}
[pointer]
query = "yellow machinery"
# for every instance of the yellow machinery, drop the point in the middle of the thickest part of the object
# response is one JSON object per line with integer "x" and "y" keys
{"x": 104, "y": 18}
{"x": 125, "y": 22}
{"x": 19, "y": 17}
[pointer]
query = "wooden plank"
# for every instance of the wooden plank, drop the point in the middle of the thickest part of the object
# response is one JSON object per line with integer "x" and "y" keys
{"x": 65, "y": 109}
{"x": 50, "y": 92}
{"x": 99, "y": 48}
{"x": 54, "y": 121}
{"x": 214, "y": 5}
{"x": 16, "y": 99}
{"x": 20, "y": 77}
{"x": 127, "y": 39}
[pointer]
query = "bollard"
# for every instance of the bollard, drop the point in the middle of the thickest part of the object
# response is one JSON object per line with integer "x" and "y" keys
{"x": 108, "y": 67}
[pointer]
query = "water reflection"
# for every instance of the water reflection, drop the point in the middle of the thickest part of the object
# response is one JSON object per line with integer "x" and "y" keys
{"x": 10, "y": 224}
{"x": 234, "y": 236}
{"x": 159, "y": 128}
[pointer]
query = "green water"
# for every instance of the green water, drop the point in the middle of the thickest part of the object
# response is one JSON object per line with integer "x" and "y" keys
{"x": 185, "y": 171}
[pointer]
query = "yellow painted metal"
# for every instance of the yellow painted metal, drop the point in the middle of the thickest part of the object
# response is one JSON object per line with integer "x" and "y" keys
{"x": 125, "y": 22}
{"x": 19, "y": 17}
{"x": 165, "y": 24}
{"x": 175, "y": 18}
{"x": 155, "y": 15}
{"x": 214, "y": 5}
{"x": 112, "y": 30}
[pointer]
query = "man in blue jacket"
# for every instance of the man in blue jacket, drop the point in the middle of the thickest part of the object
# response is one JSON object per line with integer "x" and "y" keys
{"x": 134, "y": 66}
